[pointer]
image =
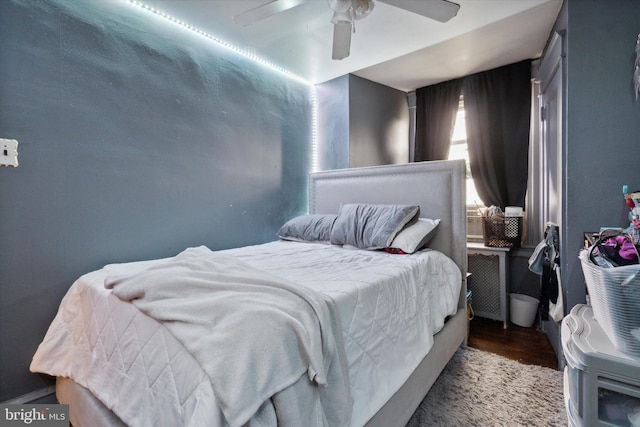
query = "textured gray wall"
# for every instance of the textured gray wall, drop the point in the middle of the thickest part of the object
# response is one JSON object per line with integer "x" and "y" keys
{"x": 362, "y": 122}
{"x": 603, "y": 125}
{"x": 137, "y": 139}
{"x": 333, "y": 114}
{"x": 378, "y": 124}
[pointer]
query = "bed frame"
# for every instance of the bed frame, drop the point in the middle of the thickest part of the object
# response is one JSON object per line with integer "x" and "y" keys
{"x": 439, "y": 189}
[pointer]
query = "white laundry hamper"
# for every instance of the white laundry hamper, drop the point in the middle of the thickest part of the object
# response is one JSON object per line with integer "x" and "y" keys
{"x": 615, "y": 297}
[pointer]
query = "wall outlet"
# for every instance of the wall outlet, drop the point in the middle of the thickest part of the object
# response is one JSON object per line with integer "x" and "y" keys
{"x": 8, "y": 152}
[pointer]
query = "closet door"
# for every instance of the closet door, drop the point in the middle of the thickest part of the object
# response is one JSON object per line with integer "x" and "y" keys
{"x": 552, "y": 132}
{"x": 552, "y": 156}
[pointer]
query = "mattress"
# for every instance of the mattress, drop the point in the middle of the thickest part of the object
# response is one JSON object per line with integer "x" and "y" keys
{"x": 390, "y": 306}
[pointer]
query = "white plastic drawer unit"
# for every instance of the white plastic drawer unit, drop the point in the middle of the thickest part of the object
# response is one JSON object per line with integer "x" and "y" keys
{"x": 602, "y": 385}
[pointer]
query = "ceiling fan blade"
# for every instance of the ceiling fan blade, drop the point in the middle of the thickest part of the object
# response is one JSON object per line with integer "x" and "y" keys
{"x": 341, "y": 40}
{"x": 439, "y": 10}
{"x": 266, "y": 10}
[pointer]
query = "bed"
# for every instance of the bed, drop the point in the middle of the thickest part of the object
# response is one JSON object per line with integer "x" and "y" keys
{"x": 382, "y": 347}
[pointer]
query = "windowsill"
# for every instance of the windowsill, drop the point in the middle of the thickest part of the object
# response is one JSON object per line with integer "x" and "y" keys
{"x": 522, "y": 251}
{"x": 472, "y": 238}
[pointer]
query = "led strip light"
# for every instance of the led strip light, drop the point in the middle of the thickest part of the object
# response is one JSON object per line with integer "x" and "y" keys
{"x": 259, "y": 60}
{"x": 221, "y": 42}
{"x": 314, "y": 130}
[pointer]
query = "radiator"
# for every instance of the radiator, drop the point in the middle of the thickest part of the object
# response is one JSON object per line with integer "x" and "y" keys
{"x": 489, "y": 274}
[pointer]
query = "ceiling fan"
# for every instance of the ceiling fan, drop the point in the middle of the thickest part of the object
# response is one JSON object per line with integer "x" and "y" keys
{"x": 346, "y": 12}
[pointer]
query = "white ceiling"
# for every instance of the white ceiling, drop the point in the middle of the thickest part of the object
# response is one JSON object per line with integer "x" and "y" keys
{"x": 391, "y": 46}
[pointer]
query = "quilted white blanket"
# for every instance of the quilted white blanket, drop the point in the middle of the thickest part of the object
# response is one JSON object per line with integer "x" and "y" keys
{"x": 390, "y": 306}
{"x": 221, "y": 309}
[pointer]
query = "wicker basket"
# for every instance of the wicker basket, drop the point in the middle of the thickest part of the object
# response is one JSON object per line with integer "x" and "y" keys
{"x": 502, "y": 233}
{"x": 615, "y": 299}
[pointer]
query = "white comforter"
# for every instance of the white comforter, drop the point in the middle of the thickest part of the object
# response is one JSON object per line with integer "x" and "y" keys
{"x": 389, "y": 305}
{"x": 274, "y": 331}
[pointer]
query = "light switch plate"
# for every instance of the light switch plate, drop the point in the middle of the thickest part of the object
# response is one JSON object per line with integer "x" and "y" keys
{"x": 8, "y": 152}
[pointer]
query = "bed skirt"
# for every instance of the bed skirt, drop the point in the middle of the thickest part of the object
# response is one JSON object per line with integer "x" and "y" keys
{"x": 396, "y": 412}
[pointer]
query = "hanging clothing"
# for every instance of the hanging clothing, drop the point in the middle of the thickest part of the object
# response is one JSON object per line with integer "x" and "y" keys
{"x": 556, "y": 309}
{"x": 545, "y": 261}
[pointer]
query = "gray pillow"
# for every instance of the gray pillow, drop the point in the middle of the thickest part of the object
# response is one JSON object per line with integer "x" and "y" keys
{"x": 308, "y": 228}
{"x": 370, "y": 226}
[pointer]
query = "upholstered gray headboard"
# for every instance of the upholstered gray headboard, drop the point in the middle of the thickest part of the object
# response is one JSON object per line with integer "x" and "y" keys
{"x": 438, "y": 187}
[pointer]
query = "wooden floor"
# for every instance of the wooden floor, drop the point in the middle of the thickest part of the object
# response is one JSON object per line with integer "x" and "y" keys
{"x": 526, "y": 345}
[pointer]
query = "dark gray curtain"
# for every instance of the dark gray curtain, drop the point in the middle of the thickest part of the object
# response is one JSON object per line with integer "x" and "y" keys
{"x": 436, "y": 108}
{"x": 497, "y": 106}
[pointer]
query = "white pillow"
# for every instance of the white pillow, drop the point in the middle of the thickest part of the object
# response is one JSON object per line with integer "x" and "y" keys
{"x": 415, "y": 235}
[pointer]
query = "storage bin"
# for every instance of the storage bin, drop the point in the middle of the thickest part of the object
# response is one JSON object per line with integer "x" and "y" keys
{"x": 614, "y": 294}
{"x": 502, "y": 233}
{"x": 601, "y": 384}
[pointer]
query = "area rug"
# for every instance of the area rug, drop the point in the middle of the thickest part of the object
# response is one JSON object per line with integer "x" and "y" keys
{"x": 477, "y": 388}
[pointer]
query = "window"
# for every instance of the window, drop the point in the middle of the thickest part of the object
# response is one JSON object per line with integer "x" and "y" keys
{"x": 459, "y": 150}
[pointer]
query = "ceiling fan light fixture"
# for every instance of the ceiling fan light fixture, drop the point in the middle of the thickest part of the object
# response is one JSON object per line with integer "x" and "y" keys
{"x": 340, "y": 6}
{"x": 362, "y": 8}
{"x": 342, "y": 17}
